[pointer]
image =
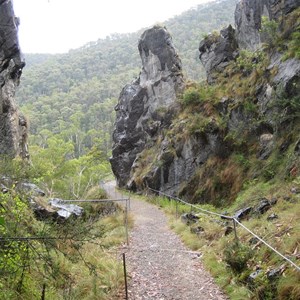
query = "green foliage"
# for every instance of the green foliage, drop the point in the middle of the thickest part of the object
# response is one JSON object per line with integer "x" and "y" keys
{"x": 249, "y": 60}
{"x": 198, "y": 94}
{"x": 69, "y": 263}
{"x": 293, "y": 48}
{"x": 191, "y": 96}
{"x": 220, "y": 251}
{"x": 241, "y": 159}
{"x": 270, "y": 31}
{"x": 13, "y": 254}
{"x": 64, "y": 175}
{"x": 237, "y": 256}
{"x": 288, "y": 288}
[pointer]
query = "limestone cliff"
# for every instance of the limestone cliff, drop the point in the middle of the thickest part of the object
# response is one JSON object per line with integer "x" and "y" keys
{"x": 143, "y": 104}
{"x": 13, "y": 125}
{"x": 242, "y": 125}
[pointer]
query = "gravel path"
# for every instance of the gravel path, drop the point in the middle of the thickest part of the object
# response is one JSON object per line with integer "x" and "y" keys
{"x": 159, "y": 265}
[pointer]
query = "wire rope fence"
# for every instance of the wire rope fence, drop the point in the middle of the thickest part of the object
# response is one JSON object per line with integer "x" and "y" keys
{"x": 118, "y": 256}
{"x": 235, "y": 221}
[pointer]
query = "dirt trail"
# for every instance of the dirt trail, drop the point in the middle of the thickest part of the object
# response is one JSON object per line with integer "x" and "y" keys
{"x": 159, "y": 265}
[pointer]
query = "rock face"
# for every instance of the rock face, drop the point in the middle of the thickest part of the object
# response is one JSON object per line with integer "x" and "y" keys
{"x": 217, "y": 50}
{"x": 13, "y": 125}
{"x": 248, "y": 15}
{"x": 193, "y": 154}
{"x": 177, "y": 161}
{"x": 143, "y": 106}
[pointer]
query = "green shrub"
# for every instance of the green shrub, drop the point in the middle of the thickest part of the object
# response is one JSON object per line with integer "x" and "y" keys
{"x": 191, "y": 96}
{"x": 237, "y": 255}
{"x": 270, "y": 31}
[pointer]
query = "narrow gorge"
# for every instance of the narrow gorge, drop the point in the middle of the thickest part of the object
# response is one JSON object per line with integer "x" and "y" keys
{"x": 163, "y": 142}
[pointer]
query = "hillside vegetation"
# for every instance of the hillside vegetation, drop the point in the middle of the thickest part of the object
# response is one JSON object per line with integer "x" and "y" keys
{"x": 255, "y": 169}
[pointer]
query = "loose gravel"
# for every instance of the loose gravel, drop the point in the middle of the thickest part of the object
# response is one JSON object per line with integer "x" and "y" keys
{"x": 160, "y": 267}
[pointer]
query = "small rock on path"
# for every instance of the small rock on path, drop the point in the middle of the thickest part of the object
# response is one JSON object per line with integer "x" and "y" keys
{"x": 159, "y": 265}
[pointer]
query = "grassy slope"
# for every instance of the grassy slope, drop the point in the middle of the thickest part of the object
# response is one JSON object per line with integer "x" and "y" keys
{"x": 84, "y": 263}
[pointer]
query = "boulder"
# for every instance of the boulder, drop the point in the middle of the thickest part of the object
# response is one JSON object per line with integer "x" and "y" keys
{"x": 3, "y": 188}
{"x": 266, "y": 143}
{"x": 254, "y": 275}
{"x": 197, "y": 230}
{"x": 243, "y": 213}
{"x": 272, "y": 217}
{"x": 31, "y": 189}
{"x": 263, "y": 206}
{"x": 189, "y": 218}
{"x": 275, "y": 273}
{"x": 64, "y": 210}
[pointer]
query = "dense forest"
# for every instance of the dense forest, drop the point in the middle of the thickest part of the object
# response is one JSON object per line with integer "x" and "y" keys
{"x": 69, "y": 98}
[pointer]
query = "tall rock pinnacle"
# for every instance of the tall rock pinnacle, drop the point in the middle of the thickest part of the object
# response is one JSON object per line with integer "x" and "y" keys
{"x": 141, "y": 104}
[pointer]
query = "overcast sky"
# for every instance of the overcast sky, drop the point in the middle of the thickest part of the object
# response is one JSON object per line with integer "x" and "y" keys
{"x": 56, "y": 26}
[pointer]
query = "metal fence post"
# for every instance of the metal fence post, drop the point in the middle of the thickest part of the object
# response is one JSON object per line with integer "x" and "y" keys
{"x": 43, "y": 292}
{"x": 235, "y": 232}
{"x": 129, "y": 201}
{"x": 126, "y": 222}
{"x": 125, "y": 276}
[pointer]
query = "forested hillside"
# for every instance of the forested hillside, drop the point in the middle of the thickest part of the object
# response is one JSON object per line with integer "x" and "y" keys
{"x": 69, "y": 98}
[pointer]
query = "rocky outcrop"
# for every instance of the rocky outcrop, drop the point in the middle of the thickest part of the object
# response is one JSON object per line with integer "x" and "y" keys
{"x": 13, "y": 125}
{"x": 248, "y": 16}
{"x": 144, "y": 106}
{"x": 178, "y": 160}
{"x": 216, "y": 51}
{"x": 204, "y": 153}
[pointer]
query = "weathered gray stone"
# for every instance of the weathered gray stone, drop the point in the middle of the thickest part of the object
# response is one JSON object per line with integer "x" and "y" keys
{"x": 243, "y": 213}
{"x": 272, "y": 217}
{"x": 144, "y": 105}
{"x": 197, "y": 229}
{"x": 266, "y": 143}
{"x": 248, "y": 16}
{"x": 263, "y": 205}
{"x": 189, "y": 218}
{"x": 31, "y": 189}
{"x": 217, "y": 51}
{"x": 3, "y": 188}
{"x": 13, "y": 126}
{"x": 275, "y": 273}
{"x": 254, "y": 275}
{"x": 65, "y": 210}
